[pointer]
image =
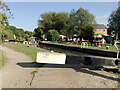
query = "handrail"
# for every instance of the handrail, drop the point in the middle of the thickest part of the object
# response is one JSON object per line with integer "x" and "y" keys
{"x": 117, "y": 48}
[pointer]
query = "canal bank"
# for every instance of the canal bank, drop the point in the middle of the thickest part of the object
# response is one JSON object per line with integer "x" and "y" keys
{"x": 96, "y": 52}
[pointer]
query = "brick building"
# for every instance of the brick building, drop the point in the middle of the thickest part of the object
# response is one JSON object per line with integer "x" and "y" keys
{"x": 101, "y": 29}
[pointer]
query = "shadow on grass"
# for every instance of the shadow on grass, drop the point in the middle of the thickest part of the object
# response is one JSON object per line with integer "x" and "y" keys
{"x": 75, "y": 67}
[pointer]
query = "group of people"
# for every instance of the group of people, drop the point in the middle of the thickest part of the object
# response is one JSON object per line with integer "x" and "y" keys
{"x": 98, "y": 42}
{"x": 78, "y": 40}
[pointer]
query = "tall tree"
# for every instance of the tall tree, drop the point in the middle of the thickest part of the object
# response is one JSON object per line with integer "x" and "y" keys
{"x": 114, "y": 21}
{"x": 52, "y": 35}
{"x": 67, "y": 24}
{"x": 82, "y": 21}
{"x": 19, "y": 33}
{"x": 7, "y": 31}
{"x": 52, "y": 20}
{"x": 38, "y": 32}
{"x": 5, "y": 14}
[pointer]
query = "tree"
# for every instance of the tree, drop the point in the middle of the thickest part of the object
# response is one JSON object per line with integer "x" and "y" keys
{"x": 53, "y": 20}
{"x": 9, "y": 31}
{"x": 5, "y": 14}
{"x": 7, "y": 34}
{"x": 84, "y": 18}
{"x": 19, "y": 33}
{"x": 71, "y": 25}
{"x": 83, "y": 22}
{"x": 52, "y": 35}
{"x": 67, "y": 24}
{"x": 28, "y": 34}
{"x": 87, "y": 33}
{"x": 38, "y": 32}
{"x": 114, "y": 21}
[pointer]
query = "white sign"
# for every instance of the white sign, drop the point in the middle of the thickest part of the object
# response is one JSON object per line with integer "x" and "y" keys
{"x": 52, "y": 58}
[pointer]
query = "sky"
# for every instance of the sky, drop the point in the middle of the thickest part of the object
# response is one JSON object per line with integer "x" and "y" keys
{"x": 26, "y": 14}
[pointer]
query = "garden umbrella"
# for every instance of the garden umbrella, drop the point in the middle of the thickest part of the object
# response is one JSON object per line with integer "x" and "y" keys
{"x": 99, "y": 35}
{"x": 75, "y": 35}
{"x": 62, "y": 36}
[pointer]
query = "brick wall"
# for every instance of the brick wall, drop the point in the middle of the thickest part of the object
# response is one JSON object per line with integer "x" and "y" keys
{"x": 101, "y": 31}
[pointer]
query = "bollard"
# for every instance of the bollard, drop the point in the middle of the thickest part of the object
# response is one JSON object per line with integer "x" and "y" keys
{"x": 107, "y": 47}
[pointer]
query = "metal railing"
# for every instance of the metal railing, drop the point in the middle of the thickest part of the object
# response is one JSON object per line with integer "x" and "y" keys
{"x": 117, "y": 42}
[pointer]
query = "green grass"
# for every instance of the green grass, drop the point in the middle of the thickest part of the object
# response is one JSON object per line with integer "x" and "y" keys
{"x": 24, "y": 49}
{"x": 34, "y": 72}
{"x": 112, "y": 48}
{"x": 2, "y": 59}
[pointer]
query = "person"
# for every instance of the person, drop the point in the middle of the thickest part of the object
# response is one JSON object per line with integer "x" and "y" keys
{"x": 112, "y": 41}
{"x": 103, "y": 41}
{"x": 94, "y": 41}
{"x": 82, "y": 43}
{"x": 78, "y": 40}
{"x": 91, "y": 40}
{"x": 74, "y": 40}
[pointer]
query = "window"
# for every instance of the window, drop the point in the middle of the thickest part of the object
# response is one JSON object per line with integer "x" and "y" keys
{"x": 103, "y": 30}
{"x": 99, "y": 30}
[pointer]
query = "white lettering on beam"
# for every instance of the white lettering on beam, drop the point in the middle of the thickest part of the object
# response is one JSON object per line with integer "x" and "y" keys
{"x": 52, "y": 58}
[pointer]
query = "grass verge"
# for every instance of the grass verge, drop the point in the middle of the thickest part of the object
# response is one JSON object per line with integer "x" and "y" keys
{"x": 32, "y": 52}
{"x": 2, "y": 59}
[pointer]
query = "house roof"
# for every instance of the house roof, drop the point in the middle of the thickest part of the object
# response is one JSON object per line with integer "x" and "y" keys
{"x": 100, "y": 26}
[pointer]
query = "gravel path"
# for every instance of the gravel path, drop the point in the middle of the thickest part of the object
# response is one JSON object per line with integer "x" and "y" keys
{"x": 18, "y": 67}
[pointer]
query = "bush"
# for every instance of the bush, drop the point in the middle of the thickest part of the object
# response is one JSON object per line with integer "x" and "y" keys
{"x": 52, "y": 35}
{"x": 87, "y": 33}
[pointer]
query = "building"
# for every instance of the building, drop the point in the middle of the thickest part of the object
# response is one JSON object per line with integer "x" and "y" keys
{"x": 101, "y": 30}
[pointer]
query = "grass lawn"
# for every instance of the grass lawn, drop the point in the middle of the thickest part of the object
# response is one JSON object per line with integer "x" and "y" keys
{"x": 24, "y": 49}
{"x": 112, "y": 48}
{"x": 2, "y": 59}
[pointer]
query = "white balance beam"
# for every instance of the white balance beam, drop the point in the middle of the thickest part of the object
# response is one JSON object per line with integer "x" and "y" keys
{"x": 60, "y": 58}
{"x": 52, "y": 58}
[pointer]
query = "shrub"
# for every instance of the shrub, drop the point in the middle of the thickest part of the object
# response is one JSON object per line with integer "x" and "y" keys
{"x": 52, "y": 35}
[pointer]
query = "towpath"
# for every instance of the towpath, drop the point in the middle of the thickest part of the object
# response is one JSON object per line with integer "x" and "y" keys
{"x": 18, "y": 67}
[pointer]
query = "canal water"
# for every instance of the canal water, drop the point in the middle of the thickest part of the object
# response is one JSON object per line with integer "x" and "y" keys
{"x": 58, "y": 50}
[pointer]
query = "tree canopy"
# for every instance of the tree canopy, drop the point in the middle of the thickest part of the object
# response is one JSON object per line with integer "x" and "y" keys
{"x": 82, "y": 20}
{"x": 7, "y": 31}
{"x": 53, "y": 20}
{"x": 5, "y": 13}
{"x": 77, "y": 22}
{"x": 114, "y": 21}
